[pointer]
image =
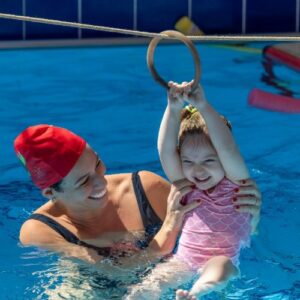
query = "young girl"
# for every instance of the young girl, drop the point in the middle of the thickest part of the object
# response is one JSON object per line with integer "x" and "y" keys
{"x": 205, "y": 153}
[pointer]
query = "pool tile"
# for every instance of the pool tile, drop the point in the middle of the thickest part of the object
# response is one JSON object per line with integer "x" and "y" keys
{"x": 119, "y": 15}
{"x": 156, "y": 16}
{"x": 59, "y": 10}
{"x": 270, "y": 16}
{"x": 218, "y": 16}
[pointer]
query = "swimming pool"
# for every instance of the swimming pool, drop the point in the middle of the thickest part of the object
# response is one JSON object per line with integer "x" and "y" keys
{"x": 106, "y": 95}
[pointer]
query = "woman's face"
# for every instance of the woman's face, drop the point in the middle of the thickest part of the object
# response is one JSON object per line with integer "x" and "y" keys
{"x": 200, "y": 162}
{"x": 85, "y": 185}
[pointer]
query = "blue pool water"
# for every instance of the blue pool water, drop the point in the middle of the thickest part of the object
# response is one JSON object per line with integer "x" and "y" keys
{"x": 106, "y": 95}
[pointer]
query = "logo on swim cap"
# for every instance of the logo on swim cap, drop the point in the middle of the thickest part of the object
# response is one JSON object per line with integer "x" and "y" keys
{"x": 22, "y": 159}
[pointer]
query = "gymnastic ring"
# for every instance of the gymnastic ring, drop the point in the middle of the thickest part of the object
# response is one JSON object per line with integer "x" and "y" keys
{"x": 175, "y": 34}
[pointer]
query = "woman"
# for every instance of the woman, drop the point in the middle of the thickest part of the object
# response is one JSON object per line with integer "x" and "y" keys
{"x": 90, "y": 215}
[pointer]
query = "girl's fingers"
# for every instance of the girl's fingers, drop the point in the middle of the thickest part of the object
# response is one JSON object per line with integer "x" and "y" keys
{"x": 188, "y": 88}
{"x": 173, "y": 86}
{"x": 185, "y": 88}
{"x": 182, "y": 88}
{"x": 181, "y": 292}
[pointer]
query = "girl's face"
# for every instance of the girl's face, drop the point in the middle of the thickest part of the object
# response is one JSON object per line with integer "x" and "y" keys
{"x": 85, "y": 186}
{"x": 200, "y": 162}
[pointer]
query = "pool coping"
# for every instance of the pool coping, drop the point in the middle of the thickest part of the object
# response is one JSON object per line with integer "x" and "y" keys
{"x": 118, "y": 41}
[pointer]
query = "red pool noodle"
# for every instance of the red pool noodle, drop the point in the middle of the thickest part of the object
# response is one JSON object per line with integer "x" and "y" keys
{"x": 269, "y": 101}
{"x": 284, "y": 54}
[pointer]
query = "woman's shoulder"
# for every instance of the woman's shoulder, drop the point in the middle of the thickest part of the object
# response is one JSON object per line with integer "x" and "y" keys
{"x": 34, "y": 232}
{"x": 155, "y": 187}
{"x": 149, "y": 180}
{"x": 118, "y": 181}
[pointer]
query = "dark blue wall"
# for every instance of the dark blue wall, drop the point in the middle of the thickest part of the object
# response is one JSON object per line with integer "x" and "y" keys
{"x": 156, "y": 16}
{"x": 218, "y": 16}
{"x": 111, "y": 13}
{"x": 272, "y": 16}
{"x": 212, "y": 16}
{"x": 65, "y": 10}
{"x": 10, "y": 30}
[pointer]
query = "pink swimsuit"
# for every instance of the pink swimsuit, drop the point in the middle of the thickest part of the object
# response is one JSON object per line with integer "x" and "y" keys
{"x": 214, "y": 228}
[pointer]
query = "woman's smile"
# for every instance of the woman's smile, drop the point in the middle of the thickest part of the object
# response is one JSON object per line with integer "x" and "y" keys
{"x": 98, "y": 195}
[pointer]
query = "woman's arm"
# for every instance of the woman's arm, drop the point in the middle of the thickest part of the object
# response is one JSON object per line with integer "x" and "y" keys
{"x": 164, "y": 241}
{"x": 165, "y": 201}
{"x": 35, "y": 233}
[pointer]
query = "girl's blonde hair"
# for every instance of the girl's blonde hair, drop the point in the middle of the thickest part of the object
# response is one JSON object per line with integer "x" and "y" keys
{"x": 192, "y": 122}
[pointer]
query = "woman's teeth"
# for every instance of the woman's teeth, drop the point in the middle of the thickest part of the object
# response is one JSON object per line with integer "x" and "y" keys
{"x": 98, "y": 195}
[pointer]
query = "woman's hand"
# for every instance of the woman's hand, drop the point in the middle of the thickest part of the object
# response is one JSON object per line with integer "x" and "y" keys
{"x": 164, "y": 241}
{"x": 176, "y": 208}
{"x": 247, "y": 199}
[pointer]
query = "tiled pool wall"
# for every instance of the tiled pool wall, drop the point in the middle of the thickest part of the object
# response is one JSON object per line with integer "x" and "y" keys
{"x": 212, "y": 16}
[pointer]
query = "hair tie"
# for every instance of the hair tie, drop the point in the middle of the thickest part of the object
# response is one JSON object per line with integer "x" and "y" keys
{"x": 191, "y": 109}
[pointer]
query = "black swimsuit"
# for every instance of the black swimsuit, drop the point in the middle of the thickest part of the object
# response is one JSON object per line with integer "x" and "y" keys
{"x": 151, "y": 221}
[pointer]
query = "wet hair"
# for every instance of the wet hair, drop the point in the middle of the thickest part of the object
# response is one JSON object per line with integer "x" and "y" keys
{"x": 193, "y": 123}
{"x": 57, "y": 186}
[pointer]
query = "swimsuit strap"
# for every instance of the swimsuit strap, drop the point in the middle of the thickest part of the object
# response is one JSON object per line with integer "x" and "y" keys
{"x": 151, "y": 221}
{"x": 67, "y": 234}
{"x": 148, "y": 215}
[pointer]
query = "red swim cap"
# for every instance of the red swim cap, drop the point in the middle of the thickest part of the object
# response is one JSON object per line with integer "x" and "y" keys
{"x": 48, "y": 152}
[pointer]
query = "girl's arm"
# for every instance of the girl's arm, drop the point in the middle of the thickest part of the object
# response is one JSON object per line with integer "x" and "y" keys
{"x": 168, "y": 135}
{"x": 248, "y": 197}
{"x": 221, "y": 137}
